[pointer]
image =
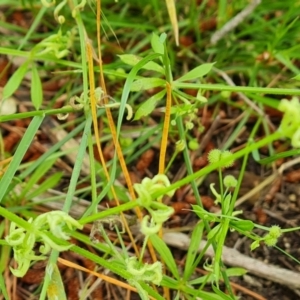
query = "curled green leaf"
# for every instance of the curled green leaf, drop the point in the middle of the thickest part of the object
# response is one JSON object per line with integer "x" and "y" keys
{"x": 149, "y": 228}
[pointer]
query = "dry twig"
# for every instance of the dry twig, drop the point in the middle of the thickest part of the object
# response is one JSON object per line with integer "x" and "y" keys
{"x": 233, "y": 257}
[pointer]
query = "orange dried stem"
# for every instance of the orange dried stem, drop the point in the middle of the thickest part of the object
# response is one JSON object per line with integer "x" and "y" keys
{"x": 114, "y": 134}
{"x": 164, "y": 140}
{"x": 99, "y": 275}
{"x": 94, "y": 110}
{"x": 110, "y": 118}
{"x": 5, "y": 161}
{"x": 113, "y": 131}
{"x": 4, "y": 165}
{"x": 162, "y": 155}
{"x": 109, "y": 115}
{"x": 97, "y": 138}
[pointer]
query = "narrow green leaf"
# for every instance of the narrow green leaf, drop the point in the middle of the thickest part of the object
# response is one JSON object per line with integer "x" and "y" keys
{"x": 14, "y": 81}
{"x": 49, "y": 183}
{"x": 129, "y": 59}
{"x": 255, "y": 245}
{"x": 56, "y": 289}
{"x": 127, "y": 87}
{"x": 287, "y": 62}
{"x": 213, "y": 232}
{"x": 242, "y": 225}
{"x": 163, "y": 37}
{"x": 226, "y": 204}
{"x": 5, "y": 250}
{"x": 21, "y": 150}
{"x": 37, "y": 175}
{"x": 297, "y": 77}
{"x": 192, "y": 251}
{"x": 255, "y": 152}
{"x": 146, "y": 84}
{"x": 78, "y": 164}
{"x": 208, "y": 296}
{"x": 197, "y": 72}
{"x": 206, "y": 278}
{"x": 148, "y": 106}
{"x": 157, "y": 44}
{"x": 36, "y": 88}
{"x": 235, "y": 272}
{"x": 203, "y": 214}
{"x": 276, "y": 156}
{"x": 3, "y": 290}
{"x": 165, "y": 254}
{"x": 209, "y": 277}
{"x": 132, "y": 60}
{"x": 219, "y": 293}
{"x": 51, "y": 151}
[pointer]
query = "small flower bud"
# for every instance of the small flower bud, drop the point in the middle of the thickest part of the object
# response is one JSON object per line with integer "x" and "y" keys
{"x": 270, "y": 241}
{"x": 217, "y": 155}
{"x": 180, "y": 145}
{"x": 189, "y": 125}
{"x": 173, "y": 122}
{"x": 226, "y": 154}
{"x": 230, "y": 181}
{"x": 275, "y": 231}
{"x": 214, "y": 156}
{"x": 193, "y": 144}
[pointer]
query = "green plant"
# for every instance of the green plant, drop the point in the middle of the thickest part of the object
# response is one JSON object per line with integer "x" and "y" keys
{"x": 158, "y": 70}
{"x": 23, "y": 242}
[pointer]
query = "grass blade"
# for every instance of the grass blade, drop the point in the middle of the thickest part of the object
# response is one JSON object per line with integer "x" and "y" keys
{"x": 197, "y": 72}
{"x": 14, "y": 81}
{"x": 148, "y": 106}
{"x": 3, "y": 287}
{"x": 56, "y": 288}
{"x": 165, "y": 254}
{"x": 37, "y": 175}
{"x": 192, "y": 251}
{"x": 78, "y": 164}
{"x": 36, "y": 88}
{"x": 19, "y": 154}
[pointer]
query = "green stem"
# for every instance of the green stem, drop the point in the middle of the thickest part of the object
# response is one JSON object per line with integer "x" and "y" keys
{"x": 221, "y": 189}
{"x": 242, "y": 89}
{"x": 63, "y": 110}
{"x": 28, "y": 54}
{"x": 218, "y": 254}
{"x": 269, "y": 139}
{"x": 243, "y": 168}
{"x": 171, "y": 161}
{"x": 6, "y": 214}
{"x": 109, "y": 212}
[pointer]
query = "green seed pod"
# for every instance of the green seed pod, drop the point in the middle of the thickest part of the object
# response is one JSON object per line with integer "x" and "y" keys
{"x": 275, "y": 232}
{"x": 230, "y": 181}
